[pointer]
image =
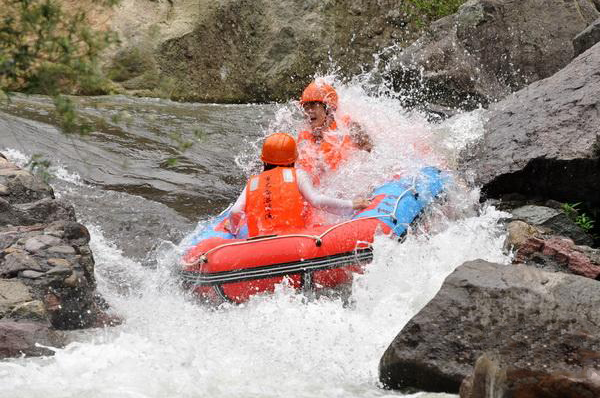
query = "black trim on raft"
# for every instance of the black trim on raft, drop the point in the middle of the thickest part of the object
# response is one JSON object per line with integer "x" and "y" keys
{"x": 195, "y": 278}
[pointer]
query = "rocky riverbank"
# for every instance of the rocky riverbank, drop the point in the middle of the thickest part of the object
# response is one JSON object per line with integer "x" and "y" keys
{"x": 47, "y": 283}
{"x": 529, "y": 329}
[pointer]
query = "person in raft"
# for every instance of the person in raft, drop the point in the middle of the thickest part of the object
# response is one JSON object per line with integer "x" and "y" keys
{"x": 274, "y": 201}
{"x": 321, "y": 147}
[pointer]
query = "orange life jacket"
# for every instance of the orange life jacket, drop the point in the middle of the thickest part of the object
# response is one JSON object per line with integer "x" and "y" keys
{"x": 274, "y": 204}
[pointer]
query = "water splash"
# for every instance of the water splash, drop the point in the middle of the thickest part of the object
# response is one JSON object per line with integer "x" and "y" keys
{"x": 281, "y": 344}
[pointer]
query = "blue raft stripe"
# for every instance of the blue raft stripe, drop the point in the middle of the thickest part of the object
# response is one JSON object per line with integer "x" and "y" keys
{"x": 429, "y": 183}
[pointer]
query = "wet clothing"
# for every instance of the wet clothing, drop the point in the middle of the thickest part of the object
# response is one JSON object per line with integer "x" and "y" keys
{"x": 277, "y": 202}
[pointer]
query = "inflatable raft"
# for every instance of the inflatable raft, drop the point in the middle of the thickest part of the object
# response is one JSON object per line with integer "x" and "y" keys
{"x": 222, "y": 267}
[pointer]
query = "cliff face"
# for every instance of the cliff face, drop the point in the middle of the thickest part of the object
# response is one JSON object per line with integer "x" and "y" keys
{"x": 243, "y": 51}
{"x": 265, "y": 50}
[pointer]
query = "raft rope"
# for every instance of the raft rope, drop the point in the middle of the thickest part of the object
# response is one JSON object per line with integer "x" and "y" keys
{"x": 317, "y": 238}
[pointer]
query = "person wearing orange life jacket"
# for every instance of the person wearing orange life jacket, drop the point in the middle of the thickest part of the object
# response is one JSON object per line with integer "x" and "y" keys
{"x": 321, "y": 148}
{"x": 273, "y": 202}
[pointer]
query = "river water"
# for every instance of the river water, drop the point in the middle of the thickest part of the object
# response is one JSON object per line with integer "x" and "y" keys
{"x": 140, "y": 207}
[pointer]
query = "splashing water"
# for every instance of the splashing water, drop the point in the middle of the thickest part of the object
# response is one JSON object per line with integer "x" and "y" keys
{"x": 281, "y": 344}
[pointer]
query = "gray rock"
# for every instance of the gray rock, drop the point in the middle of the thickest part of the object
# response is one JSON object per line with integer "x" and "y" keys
{"x": 62, "y": 249}
{"x": 556, "y": 221}
{"x": 535, "y": 320}
{"x": 44, "y": 210}
{"x": 586, "y": 39}
{"x": 16, "y": 262}
{"x": 544, "y": 141}
{"x": 12, "y": 293}
{"x": 34, "y": 244}
{"x": 21, "y": 186}
{"x": 453, "y": 63}
{"x": 21, "y": 338}
{"x": 29, "y": 274}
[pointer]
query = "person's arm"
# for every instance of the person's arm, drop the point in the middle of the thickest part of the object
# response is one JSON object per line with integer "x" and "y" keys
{"x": 236, "y": 213}
{"x": 333, "y": 205}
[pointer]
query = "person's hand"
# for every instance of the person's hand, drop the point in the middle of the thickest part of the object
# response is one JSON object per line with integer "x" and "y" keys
{"x": 227, "y": 225}
{"x": 360, "y": 203}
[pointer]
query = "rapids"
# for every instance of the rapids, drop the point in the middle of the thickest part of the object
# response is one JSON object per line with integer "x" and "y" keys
{"x": 141, "y": 209}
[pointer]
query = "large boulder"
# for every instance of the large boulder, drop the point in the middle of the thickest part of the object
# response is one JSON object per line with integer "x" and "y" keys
{"x": 587, "y": 38}
{"x": 531, "y": 319}
{"x": 544, "y": 140}
{"x": 259, "y": 50}
{"x": 490, "y": 48}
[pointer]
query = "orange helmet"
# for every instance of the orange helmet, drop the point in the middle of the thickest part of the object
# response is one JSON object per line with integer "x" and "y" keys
{"x": 320, "y": 92}
{"x": 279, "y": 149}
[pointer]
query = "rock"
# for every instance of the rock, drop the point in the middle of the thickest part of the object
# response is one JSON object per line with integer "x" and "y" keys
{"x": 16, "y": 262}
{"x": 556, "y": 222}
{"x": 20, "y": 338}
{"x": 587, "y": 38}
{"x": 20, "y": 186}
{"x": 518, "y": 233}
{"x": 12, "y": 294}
{"x": 560, "y": 255}
{"x": 492, "y": 380}
{"x": 544, "y": 140}
{"x": 42, "y": 211}
{"x": 453, "y": 63}
{"x": 29, "y": 274}
{"x": 248, "y": 51}
{"x": 62, "y": 249}
{"x": 31, "y": 311}
{"x": 535, "y": 320}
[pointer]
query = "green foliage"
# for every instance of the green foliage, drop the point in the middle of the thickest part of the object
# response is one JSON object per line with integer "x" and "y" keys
{"x": 39, "y": 166}
{"x": 582, "y": 219}
{"x": 423, "y": 12}
{"x": 45, "y": 50}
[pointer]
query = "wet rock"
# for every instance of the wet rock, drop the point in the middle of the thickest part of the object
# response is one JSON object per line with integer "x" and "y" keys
{"x": 554, "y": 222}
{"x": 42, "y": 211}
{"x": 21, "y": 338}
{"x": 491, "y": 379}
{"x": 540, "y": 321}
{"x": 56, "y": 264}
{"x": 18, "y": 261}
{"x": 12, "y": 294}
{"x": 20, "y": 186}
{"x": 518, "y": 232}
{"x": 453, "y": 63}
{"x": 30, "y": 311}
{"x": 558, "y": 254}
{"x": 544, "y": 141}
{"x": 586, "y": 39}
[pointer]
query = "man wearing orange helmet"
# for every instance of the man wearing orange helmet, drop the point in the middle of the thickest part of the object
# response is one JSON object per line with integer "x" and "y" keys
{"x": 274, "y": 202}
{"x": 322, "y": 149}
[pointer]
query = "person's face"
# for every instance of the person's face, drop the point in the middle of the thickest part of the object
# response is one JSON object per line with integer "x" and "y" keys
{"x": 315, "y": 113}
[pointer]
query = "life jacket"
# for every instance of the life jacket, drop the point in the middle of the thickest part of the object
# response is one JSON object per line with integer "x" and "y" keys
{"x": 274, "y": 204}
{"x": 319, "y": 157}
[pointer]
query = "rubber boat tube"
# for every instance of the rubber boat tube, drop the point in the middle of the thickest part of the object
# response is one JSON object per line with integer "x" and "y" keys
{"x": 221, "y": 267}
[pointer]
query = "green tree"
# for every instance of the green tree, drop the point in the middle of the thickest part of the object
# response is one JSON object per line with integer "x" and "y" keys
{"x": 47, "y": 50}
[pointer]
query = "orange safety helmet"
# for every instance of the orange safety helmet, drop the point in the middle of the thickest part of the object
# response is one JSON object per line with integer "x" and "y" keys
{"x": 320, "y": 92}
{"x": 279, "y": 149}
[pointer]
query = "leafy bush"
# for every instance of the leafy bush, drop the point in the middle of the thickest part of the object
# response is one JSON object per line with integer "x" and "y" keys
{"x": 45, "y": 50}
